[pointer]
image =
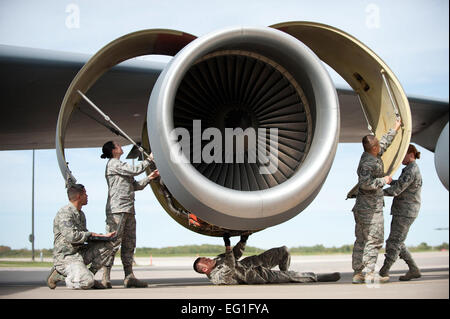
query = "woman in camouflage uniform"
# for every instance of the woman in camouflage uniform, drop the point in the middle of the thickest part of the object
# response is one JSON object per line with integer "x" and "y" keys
{"x": 120, "y": 208}
{"x": 405, "y": 208}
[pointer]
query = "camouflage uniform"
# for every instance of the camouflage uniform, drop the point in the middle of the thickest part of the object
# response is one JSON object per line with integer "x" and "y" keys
{"x": 71, "y": 254}
{"x": 255, "y": 269}
{"x": 405, "y": 208}
{"x": 121, "y": 188}
{"x": 368, "y": 209}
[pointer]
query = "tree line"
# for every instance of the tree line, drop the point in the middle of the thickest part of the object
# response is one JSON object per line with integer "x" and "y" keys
{"x": 213, "y": 250}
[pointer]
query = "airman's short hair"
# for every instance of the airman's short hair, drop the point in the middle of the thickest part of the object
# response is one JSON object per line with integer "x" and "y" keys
{"x": 368, "y": 142}
{"x": 195, "y": 265}
{"x": 74, "y": 190}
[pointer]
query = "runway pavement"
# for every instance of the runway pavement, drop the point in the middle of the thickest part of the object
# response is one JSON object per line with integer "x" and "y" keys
{"x": 174, "y": 278}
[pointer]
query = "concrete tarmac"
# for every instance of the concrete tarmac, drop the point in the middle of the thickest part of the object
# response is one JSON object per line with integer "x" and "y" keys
{"x": 174, "y": 278}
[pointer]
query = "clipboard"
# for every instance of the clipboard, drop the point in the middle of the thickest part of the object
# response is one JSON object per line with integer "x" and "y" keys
{"x": 112, "y": 238}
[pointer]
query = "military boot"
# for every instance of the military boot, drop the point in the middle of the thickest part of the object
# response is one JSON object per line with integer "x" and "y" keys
{"x": 53, "y": 278}
{"x": 358, "y": 277}
{"x": 374, "y": 278}
{"x": 329, "y": 277}
{"x": 371, "y": 278}
{"x": 98, "y": 285}
{"x": 412, "y": 273}
{"x": 106, "y": 279}
{"x": 384, "y": 271}
{"x": 131, "y": 281}
{"x": 383, "y": 279}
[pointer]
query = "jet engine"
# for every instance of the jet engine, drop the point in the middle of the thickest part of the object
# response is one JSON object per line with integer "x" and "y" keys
{"x": 244, "y": 122}
{"x": 441, "y": 156}
{"x": 238, "y": 78}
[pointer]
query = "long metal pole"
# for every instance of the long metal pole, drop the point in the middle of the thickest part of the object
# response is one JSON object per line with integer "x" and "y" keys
{"x": 369, "y": 127}
{"x": 391, "y": 95}
{"x": 32, "y": 210}
{"x": 108, "y": 119}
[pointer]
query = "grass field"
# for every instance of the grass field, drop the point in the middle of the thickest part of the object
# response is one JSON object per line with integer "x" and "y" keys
{"x": 185, "y": 251}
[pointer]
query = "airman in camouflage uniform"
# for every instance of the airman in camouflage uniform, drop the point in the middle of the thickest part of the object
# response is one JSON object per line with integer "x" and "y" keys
{"x": 120, "y": 208}
{"x": 227, "y": 269}
{"x": 72, "y": 252}
{"x": 368, "y": 209}
{"x": 404, "y": 210}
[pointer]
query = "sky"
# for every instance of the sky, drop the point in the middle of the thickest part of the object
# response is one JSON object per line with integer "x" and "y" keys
{"x": 412, "y": 37}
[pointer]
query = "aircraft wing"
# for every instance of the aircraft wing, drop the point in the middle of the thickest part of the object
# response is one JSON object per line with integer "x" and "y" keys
{"x": 34, "y": 82}
{"x": 429, "y": 117}
{"x": 33, "y": 85}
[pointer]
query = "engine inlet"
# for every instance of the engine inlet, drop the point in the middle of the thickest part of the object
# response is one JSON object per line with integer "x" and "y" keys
{"x": 241, "y": 89}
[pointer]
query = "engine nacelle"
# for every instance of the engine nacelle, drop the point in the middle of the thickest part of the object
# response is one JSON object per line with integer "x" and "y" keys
{"x": 273, "y": 88}
{"x": 441, "y": 157}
